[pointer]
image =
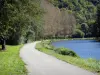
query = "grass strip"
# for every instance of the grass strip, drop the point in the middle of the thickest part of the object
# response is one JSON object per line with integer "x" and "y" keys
{"x": 11, "y": 63}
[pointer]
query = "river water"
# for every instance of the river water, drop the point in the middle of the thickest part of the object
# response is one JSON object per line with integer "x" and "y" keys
{"x": 84, "y": 48}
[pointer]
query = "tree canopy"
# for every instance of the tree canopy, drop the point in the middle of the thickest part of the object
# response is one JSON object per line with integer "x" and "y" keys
{"x": 21, "y": 20}
{"x": 97, "y": 26}
{"x": 84, "y": 10}
{"x": 19, "y": 17}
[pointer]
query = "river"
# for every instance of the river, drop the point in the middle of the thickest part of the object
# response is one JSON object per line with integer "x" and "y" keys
{"x": 84, "y": 48}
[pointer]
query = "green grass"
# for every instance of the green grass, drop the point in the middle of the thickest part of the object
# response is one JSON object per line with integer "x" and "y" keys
{"x": 88, "y": 64}
{"x": 11, "y": 63}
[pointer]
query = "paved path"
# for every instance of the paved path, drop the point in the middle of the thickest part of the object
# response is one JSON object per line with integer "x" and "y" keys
{"x": 39, "y": 63}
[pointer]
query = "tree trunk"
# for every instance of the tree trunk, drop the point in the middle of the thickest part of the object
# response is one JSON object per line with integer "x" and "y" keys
{"x": 3, "y": 43}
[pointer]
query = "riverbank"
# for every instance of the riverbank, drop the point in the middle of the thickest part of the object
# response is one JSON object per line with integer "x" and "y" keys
{"x": 71, "y": 39}
{"x": 88, "y": 64}
{"x": 60, "y": 39}
{"x": 11, "y": 63}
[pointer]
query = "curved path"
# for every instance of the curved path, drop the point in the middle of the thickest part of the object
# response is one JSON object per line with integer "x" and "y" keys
{"x": 39, "y": 63}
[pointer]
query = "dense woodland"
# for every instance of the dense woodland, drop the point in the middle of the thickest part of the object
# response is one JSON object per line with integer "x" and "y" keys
{"x": 22, "y": 21}
{"x": 85, "y": 12}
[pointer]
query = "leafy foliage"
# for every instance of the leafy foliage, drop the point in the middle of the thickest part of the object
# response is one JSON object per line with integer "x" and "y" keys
{"x": 95, "y": 2}
{"x": 84, "y": 11}
{"x": 64, "y": 51}
{"x": 78, "y": 34}
{"x": 84, "y": 28}
{"x": 18, "y": 17}
{"x": 97, "y": 25}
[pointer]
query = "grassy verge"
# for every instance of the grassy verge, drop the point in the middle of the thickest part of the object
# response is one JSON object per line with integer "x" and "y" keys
{"x": 88, "y": 64}
{"x": 11, "y": 63}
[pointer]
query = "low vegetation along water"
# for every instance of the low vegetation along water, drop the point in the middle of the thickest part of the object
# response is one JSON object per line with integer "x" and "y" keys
{"x": 84, "y": 48}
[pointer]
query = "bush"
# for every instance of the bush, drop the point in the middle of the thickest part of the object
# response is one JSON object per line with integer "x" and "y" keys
{"x": 62, "y": 51}
{"x": 78, "y": 34}
{"x": 47, "y": 45}
{"x": 65, "y": 51}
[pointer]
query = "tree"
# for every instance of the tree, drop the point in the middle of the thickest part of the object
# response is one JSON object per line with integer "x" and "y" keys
{"x": 84, "y": 28}
{"x": 95, "y": 2}
{"x": 17, "y": 17}
{"x": 4, "y": 26}
{"x": 68, "y": 22}
{"x": 84, "y": 10}
{"x": 98, "y": 22}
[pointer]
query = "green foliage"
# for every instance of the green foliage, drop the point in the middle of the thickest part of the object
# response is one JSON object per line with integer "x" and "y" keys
{"x": 47, "y": 44}
{"x": 84, "y": 11}
{"x": 95, "y": 2}
{"x": 84, "y": 28}
{"x": 96, "y": 26}
{"x": 65, "y": 51}
{"x": 98, "y": 21}
{"x": 78, "y": 34}
{"x": 19, "y": 17}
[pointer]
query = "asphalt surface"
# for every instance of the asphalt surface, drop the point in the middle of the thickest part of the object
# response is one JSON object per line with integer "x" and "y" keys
{"x": 38, "y": 63}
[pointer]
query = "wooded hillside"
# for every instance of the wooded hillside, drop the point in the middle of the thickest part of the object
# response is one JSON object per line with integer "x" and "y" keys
{"x": 84, "y": 11}
{"x": 57, "y": 22}
{"x": 22, "y": 21}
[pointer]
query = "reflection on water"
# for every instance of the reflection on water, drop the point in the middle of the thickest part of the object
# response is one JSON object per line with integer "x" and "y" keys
{"x": 84, "y": 48}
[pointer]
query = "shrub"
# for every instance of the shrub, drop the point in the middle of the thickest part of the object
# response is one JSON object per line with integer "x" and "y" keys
{"x": 65, "y": 51}
{"x": 47, "y": 45}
